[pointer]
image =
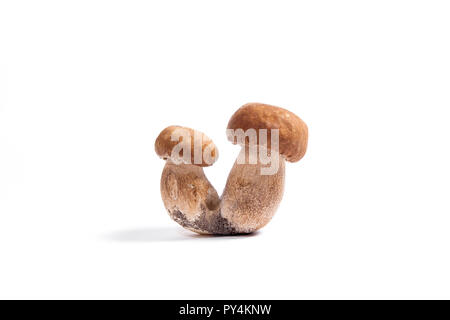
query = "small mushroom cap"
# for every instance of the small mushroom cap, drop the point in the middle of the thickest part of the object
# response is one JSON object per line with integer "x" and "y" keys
{"x": 293, "y": 132}
{"x": 185, "y": 145}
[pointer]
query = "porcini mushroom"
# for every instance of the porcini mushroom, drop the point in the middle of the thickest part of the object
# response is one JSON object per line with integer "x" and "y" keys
{"x": 188, "y": 196}
{"x": 268, "y": 135}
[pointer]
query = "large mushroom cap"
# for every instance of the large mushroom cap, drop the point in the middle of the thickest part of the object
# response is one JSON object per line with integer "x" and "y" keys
{"x": 293, "y": 132}
{"x": 203, "y": 151}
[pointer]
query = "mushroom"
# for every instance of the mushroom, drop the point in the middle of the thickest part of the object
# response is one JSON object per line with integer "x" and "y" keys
{"x": 188, "y": 196}
{"x": 268, "y": 136}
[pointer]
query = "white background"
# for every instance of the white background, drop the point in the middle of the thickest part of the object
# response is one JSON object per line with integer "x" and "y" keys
{"x": 86, "y": 86}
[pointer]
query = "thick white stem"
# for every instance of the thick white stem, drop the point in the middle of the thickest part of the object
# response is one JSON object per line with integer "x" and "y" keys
{"x": 249, "y": 200}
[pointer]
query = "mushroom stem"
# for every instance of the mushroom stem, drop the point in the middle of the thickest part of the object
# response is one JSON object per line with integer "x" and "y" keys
{"x": 248, "y": 202}
{"x": 191, "y": 200}
{"x": 250, "y": 199}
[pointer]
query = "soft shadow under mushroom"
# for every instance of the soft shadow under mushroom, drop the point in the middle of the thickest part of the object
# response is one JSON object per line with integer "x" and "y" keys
{"x": 163, "y": 234}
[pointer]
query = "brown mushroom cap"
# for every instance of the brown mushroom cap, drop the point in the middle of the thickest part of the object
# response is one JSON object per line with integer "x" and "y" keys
{"x": 164, "y": 145}
{"x": 293, "y": 132}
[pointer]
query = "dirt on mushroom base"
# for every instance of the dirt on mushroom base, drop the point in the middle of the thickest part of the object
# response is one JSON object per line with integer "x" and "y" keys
{"x": 215, "y": 224}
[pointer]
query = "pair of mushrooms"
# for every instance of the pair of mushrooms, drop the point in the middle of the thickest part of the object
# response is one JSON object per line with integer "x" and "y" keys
{"x": 250, "y": 198}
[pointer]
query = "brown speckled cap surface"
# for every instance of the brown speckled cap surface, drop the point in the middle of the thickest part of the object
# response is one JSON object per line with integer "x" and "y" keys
{"x": 164, "y": 145}
{"x": 293, "y": 132}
